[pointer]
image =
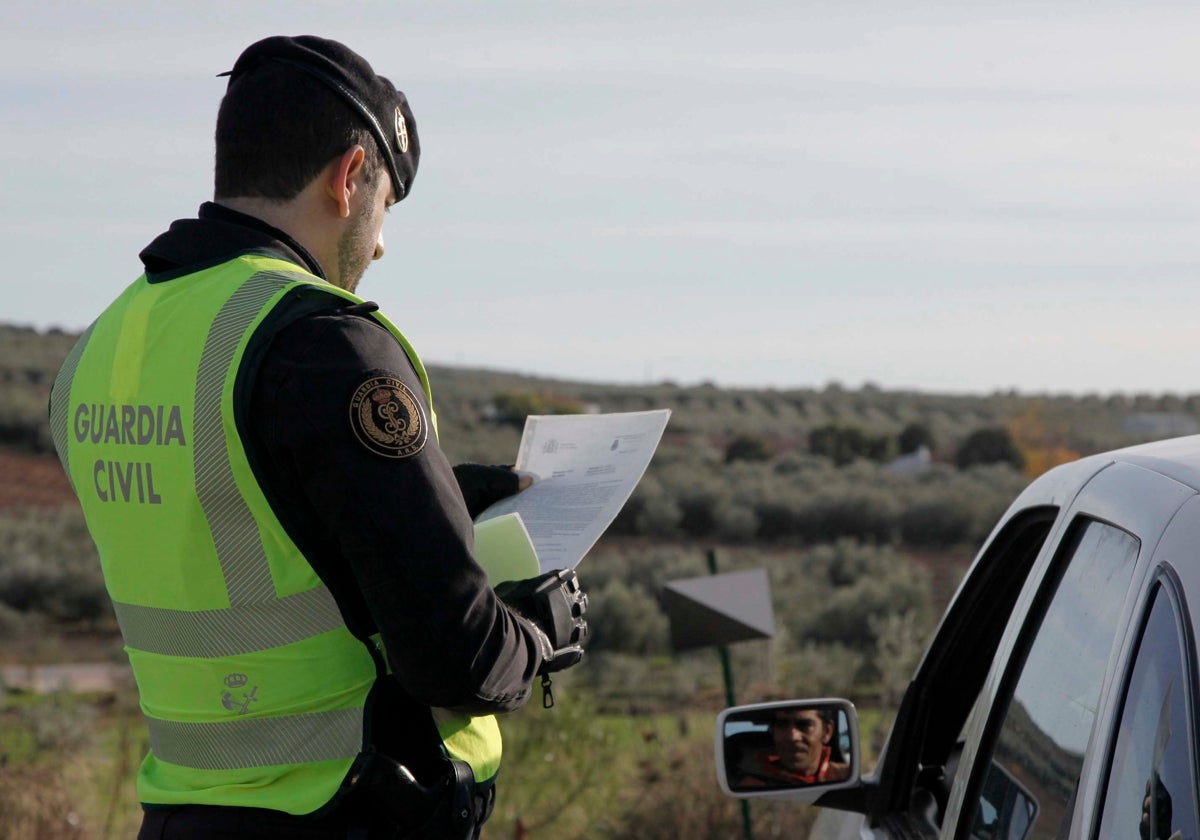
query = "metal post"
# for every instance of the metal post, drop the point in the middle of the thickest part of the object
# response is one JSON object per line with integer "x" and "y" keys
{"x": 727, "y": 671}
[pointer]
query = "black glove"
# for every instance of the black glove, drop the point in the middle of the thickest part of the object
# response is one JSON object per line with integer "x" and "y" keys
{"x": 555, "y": 605}
{"x": 483, "y": 486}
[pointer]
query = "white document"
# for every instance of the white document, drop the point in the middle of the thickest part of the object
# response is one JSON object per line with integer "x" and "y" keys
{"x": 586, "y": 466}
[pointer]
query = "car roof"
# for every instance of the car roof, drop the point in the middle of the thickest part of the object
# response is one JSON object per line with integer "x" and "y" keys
{"x": 1176, "y": 458}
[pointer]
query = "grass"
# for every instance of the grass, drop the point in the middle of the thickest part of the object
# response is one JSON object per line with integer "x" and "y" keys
{"x": 68, "y": 763}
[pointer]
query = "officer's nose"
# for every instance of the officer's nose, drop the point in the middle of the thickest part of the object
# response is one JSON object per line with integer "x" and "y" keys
{"x": 379, "y": 247}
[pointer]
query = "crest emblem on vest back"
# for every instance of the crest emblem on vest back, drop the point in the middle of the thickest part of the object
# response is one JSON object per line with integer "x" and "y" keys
{"x": 387, "y": 418}
{"x": 233, "y": 703}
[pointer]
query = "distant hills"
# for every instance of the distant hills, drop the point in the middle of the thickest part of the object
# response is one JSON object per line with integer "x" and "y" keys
{"x": 473, "y": 427}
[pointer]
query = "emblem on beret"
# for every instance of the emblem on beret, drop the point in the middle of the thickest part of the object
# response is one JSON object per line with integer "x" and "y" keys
{"x": 387, "y": 418}
{"x": 401, "y": 131}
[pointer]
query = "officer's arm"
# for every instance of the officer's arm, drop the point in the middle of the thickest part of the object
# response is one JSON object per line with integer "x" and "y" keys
{"x": 389, "y": 511}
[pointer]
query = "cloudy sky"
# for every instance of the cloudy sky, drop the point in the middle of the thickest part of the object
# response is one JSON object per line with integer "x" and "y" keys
{"x": 948, "y": 196}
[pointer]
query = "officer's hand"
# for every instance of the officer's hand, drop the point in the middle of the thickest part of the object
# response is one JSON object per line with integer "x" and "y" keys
{"x": 556, "y": 604}
{"x": 482, "y": 486}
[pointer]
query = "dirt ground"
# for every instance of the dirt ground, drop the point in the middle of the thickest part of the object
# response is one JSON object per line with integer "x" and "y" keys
{"x": 32, "y": 481}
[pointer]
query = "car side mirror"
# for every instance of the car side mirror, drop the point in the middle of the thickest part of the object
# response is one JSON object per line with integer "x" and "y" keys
{"x": 804, "y": 748}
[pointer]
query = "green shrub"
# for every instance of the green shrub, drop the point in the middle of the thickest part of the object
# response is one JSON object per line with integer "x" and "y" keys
{"x": 513, "y": 407}
{"x": 747, "y": 448}
{"x": 49, "y": 566}
{"x": 938, "y": 523}
{"x": 625, "y": 619}
{"x": 989, "y": 446}
{"x": 864, "y": 515}
{"x": 819, "y": 670}
{"x": 914, "y": 436}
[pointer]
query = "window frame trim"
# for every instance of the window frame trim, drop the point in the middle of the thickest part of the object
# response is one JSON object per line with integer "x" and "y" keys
{"x": 1032, "y": 621}
{"x": 910, "y": 731}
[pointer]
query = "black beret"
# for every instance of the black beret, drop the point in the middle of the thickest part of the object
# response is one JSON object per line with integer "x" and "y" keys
{"x": 383, "y": 109}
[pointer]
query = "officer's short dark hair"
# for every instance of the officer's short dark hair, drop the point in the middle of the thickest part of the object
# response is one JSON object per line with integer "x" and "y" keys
{"x": 277, "y": 128}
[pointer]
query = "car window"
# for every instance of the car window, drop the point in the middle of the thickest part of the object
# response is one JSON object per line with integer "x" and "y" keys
{"x": 1029, "y": 786}
{"x": 921, "y": 759}
{"x": 1151, "y": 784}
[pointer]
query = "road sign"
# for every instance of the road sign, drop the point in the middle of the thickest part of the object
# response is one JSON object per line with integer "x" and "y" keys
{"x": 719, "y": 609}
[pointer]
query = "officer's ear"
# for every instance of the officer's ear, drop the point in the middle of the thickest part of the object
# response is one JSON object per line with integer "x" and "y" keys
{"x": 342, "y": 178}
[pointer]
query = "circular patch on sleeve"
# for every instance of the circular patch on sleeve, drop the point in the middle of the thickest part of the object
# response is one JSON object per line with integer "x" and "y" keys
{"x": 387, "y": 418}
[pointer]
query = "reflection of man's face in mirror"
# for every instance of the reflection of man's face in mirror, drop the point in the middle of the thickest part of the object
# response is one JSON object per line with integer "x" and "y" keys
{"x": 800, "y": 739}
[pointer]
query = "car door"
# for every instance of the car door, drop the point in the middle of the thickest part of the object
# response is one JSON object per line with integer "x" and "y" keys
{"x": 907, "y": 794}
{"x": 1147, "y": 780}
{"x": 1149, "y": 787}
{"x": 1042, "y": 723}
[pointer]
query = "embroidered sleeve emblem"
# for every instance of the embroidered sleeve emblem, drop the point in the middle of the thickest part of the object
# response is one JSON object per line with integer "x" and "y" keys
{"x": 387, "y": 418}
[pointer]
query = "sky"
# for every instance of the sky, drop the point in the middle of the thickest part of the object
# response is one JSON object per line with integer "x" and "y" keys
{"x": 954, "y": 197}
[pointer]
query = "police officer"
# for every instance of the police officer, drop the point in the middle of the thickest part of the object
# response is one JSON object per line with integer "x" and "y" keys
{"x": 288, "y": 551}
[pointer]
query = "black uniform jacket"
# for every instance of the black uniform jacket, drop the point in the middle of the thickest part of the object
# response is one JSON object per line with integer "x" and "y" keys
{"x": 390, "y": 537}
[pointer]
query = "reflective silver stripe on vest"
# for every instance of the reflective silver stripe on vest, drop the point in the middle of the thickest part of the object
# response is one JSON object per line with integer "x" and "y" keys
{"x": 257, "y": 619}
{"x": 60, "y": 405}
{"x": 234, "y": 531}
{"x": 229, "y": 632}
{"x": 258, "y": 742}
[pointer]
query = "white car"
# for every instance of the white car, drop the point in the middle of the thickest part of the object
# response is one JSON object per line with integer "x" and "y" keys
{"x": 1058, "y": 698}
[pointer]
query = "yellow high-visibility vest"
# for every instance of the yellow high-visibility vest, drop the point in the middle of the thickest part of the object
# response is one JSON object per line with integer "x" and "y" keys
{"x": 253, "y": 688}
